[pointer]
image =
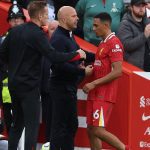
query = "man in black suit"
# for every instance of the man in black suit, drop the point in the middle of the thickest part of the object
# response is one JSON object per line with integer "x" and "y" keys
{"x": 64, "y": 80}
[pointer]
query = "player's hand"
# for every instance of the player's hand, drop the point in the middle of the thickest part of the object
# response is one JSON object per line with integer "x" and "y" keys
{"x": 82, "y": 54}
{"x": 88, "y": 87}
{"x": 88, "y": 70}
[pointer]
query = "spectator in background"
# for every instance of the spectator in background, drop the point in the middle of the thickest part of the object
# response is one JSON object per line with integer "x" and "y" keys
{"x": 52, "y": 26}
{"x": 102, "y": 90}
{"x": 45, "y": 90}
{"x": 134, "y": 32}
{"x": 15, "y": 17}
{"x": 87, "y": 9}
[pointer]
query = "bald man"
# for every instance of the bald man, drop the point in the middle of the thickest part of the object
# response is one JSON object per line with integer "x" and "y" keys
{"x": 64, "y": 80}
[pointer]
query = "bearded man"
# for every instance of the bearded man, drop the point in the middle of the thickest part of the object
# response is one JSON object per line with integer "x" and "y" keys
{"x": 134, "y": 32}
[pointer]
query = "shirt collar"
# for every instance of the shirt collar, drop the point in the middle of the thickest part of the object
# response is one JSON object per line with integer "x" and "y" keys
{"x": 65, "y": 31}
{"x": 109, "y": 37}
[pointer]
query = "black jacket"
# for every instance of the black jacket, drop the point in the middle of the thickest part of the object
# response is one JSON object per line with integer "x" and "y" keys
{"x": 22, "y": 49}
{"x": 68, "y": 73}
{"x": 45, "y": 77}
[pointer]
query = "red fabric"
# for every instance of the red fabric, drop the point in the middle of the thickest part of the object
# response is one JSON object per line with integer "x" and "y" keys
{"x": 109, "y": 51}
{"x": 127, "y": 147}
{"x": 94, "y": 110}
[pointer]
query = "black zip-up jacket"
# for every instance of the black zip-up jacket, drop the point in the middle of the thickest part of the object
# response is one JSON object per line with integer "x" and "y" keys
{"x": 68, "y": 73}
{"x": 22, "y": 49}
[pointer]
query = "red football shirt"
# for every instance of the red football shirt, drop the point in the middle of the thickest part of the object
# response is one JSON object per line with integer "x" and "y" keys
{"x": 110, "y": 50}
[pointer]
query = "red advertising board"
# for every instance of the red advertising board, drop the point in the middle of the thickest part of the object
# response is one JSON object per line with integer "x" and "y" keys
{"x": 140, "y": 111}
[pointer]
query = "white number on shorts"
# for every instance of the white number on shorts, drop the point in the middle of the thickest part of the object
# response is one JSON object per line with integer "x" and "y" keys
{"x": 96, "y": 114}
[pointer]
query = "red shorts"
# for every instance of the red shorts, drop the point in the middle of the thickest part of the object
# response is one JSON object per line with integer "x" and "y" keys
{"x": 98, "y": 112}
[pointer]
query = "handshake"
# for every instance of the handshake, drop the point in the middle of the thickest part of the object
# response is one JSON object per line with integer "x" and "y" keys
{"x": 82, "y": 54}
{"x": 89, "y": 68}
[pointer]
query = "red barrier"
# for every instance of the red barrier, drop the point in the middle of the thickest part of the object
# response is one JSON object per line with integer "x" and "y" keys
{"x": 3, "y": 17}
{"x": 139, "y": 123}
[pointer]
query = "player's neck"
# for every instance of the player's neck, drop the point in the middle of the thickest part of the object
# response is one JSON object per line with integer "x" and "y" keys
{"x": 106, "y": 35}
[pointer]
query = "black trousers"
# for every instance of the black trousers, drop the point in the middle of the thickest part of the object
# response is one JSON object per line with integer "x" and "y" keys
{"x": 64, "y": 118}
{"x": 46, "y": 113}
{"x": 7, "y": 108}
{"x": 26, "y": 112}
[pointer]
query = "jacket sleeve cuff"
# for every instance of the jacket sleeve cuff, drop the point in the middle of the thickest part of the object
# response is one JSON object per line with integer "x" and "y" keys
{"x": 77, "y": 57}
